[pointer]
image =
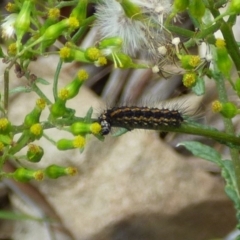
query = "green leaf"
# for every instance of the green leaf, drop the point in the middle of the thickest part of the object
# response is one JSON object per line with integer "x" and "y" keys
{"x": 228, "y": 165}
{"x": 42, "y": 81}
{"x": 5, "y": 139}
{"x": 87, "y": 118}
{"x": 120, "y": 132}
{"x": 17, "y": 216}
{"x": 202, "y": 151}
{"x": 100, "y": 137}
{"x": 229, "y": 173}
{"x": 199, "y": 87}
{"x": 20, "y": 89}
{"x": 232, "y": 194}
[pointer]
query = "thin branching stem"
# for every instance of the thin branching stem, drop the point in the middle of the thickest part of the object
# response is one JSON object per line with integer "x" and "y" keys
{"x": 6, "y": 86}
{"x": 56, "y": 77}
{"x": 220, "y": 83}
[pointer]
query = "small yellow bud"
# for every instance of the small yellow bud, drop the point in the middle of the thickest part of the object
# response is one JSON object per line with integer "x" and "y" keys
{"x": 5, "y": 126}
{"x": 220, "y": 43}
{"x": 216, "y": 106}
{"x": 36, "y": 129}
{"x": 41, "y": 103}
{"x": 65, "y": 52}
{"x": 63, "y": 94}
{"x": 38, "y": 175}
{"x": 34, "y": 148}
{"x": 83, "y": 128}
{"x": 25, "y": 175}
{"x": 34, "y": 153}
{"x": 93, "y": 53}
{"x": 223, "y": 61}
{"x": 82, "y": 75}
{"x": 79, "y": 142}
{"x": 194, "y": 61}
{"x": 12, "y": 49}
{"x": 190, "y": 61}
{"x": 11, "y": 7}
{"x": 54, "y": 13}
{"x": 71, "y": 171}
{"x": 95, "y": 128}
{"x": 55, "y": 171}
{"x": 189, "y": 79}
{"x": 4, "y": 123}
{"x": 101, "y": 61}
{"x": 73, "y": 22}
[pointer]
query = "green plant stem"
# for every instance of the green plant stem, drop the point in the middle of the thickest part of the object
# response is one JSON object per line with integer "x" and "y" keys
{"x": 21, "y": 143}
{"x": 37, "y": 90}
{"x": 229, "y": 38}
{"x": 205, "y": 131}
{"x": 187, "y": 127}
{"x": 232, "y": 20}
{"x": 3, "y": 158}
{"x": 49, "y": 139}
{"x": 6, "y": 86}
{"x": 206, "y": 33}
{"x": 233, "y": 51}
{"x": 220, "y": 83}
{"x": 180, "y": 31}
{"x": 84, "y": 25}
{"x": 199, "y": 130}
{"x": 6, "y": 90}
{"x": 55, "y": 82}
{"x": 231, "y": 45}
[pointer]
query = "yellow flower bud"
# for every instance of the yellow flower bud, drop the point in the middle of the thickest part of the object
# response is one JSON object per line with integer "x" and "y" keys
{"x": 216, "y": 106}
{"x": 63, "y": 94}
{"x": 92, "y": 53}
{"x": 54, "y": 13}
{"x": 79, "y": 142}
{"x": 189, "y": 79}
{"x": 36, "y": 130}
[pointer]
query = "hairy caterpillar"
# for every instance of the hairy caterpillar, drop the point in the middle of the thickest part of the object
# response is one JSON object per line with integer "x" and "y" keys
{"x": 131, "y": 117}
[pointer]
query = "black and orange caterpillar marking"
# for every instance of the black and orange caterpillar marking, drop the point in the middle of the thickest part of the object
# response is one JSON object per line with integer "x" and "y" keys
{"x": 139, "y": 117}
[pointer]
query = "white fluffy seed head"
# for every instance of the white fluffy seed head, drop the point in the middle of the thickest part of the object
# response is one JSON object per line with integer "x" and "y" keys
{"x": 140, "y": 35}
{"x": 8, "y": 30}
{"x": 162, "y": 50}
